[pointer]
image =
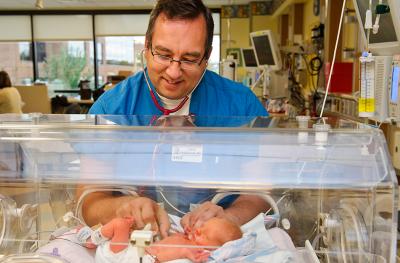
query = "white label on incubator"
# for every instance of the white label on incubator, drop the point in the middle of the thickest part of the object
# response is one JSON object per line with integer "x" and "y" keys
{"x": 187, "y": 153}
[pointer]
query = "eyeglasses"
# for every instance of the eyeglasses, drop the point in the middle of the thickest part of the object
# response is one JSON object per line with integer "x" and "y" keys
{"x": 184, "y": 64}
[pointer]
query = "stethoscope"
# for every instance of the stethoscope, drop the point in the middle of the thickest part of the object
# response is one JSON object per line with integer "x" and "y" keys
{"x": 153, "y": 95}
{"x": 166, "y": 112}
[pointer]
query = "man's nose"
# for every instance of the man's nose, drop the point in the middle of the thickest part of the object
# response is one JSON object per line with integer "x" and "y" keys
{"x": 174, "y": 70}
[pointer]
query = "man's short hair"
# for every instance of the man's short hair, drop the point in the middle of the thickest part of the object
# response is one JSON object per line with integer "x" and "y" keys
{"x": 185, "y": 10}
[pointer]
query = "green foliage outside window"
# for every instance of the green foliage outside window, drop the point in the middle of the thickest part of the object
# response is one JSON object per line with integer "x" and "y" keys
{"x": 67, "y": 67}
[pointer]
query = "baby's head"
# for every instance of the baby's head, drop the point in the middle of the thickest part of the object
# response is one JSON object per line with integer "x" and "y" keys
{"x": 216, "y": 232}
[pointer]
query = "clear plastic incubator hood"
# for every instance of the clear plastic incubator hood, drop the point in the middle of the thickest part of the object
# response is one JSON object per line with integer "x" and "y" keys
{"x": 330, "y": 186}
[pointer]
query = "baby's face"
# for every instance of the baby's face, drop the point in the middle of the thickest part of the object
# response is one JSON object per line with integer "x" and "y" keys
{"x": 210, "y": 234}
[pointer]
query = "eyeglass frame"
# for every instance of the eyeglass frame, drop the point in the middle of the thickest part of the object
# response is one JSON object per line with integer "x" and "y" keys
{"x": 179, "y": 61}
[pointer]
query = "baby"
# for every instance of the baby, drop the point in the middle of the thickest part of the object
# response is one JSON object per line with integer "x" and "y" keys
{"x": 214, "y": 233}
{"x": 115, "y": 249}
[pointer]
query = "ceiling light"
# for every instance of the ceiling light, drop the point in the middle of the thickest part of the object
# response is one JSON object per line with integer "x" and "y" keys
{"x": 39, "y": 4}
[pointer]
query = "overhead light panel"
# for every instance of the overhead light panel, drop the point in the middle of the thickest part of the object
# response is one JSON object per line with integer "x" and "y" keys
{"x": 39, "y": 4}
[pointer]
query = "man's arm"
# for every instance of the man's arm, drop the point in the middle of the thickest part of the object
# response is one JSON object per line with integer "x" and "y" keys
{"x": 101, "y": 207}
{"x": 97, "y": 207}
{"x": 242, "y": 210}
{"x": 245, "y": 208}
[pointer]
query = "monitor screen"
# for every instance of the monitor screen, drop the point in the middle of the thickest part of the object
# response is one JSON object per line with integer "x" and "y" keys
{"x": 266, "y": 50}
{"x": 395, "y": 84}
{"x": 263, "y": 49}
{"x": 249, "y": 58}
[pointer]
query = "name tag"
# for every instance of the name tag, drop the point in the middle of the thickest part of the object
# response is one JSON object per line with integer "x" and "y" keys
{"x": 187, "y": 153}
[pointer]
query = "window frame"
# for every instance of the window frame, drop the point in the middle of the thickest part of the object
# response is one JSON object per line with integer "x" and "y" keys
{"x": 33, "y": 44}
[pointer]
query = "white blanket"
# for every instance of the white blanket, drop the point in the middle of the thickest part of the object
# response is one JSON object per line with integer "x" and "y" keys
{"x": 256, "y": 245}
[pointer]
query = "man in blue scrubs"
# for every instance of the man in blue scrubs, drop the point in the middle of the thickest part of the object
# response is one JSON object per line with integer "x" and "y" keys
{"x": 178, "y": 45}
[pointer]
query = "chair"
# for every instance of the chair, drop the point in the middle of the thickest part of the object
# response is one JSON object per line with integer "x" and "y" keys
{"x": 35, "y": 98}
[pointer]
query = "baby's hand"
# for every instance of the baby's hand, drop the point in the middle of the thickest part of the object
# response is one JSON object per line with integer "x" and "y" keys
{"x": 83, "y": 234}
{"x": 197, "y": 255}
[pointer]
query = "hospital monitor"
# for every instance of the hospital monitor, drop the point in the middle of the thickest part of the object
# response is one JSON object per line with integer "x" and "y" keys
{"x": 394, "y": 99}
{"x": 266, "y": 50}
{"x": 279, "y": 84}
{"x": 387, "y": 40}
{"x": 249, "y": 58}
{"x": 394, "y": 94}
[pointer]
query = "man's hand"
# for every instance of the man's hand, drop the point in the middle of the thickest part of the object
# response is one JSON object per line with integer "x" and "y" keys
{"x": 242, "y": 210}
{"x": 144, "y": 211}
{"x": 201, "y": 214}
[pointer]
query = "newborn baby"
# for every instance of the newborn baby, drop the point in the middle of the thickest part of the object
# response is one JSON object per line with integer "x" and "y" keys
{"x": 110, "y": 243}
{"x": 214, "y": 233}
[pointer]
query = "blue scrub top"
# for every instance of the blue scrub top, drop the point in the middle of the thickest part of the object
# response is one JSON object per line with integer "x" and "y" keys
{"x": 215, "y": 96}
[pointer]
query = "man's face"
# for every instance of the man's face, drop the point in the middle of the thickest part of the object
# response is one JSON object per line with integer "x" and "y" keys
{"x": 180, "y": 40}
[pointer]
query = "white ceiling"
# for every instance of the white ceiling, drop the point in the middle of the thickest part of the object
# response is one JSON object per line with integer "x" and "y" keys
{"x": 98, "y": 4}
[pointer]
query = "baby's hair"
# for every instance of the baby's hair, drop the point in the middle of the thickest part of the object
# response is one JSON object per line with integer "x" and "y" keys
{"x": 230, "y": 231}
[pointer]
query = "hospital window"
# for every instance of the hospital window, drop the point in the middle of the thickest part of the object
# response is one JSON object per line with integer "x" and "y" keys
{"x": 62, "y": 63}
{"x": 213, "y": 62}
{"x": 118, "y": 54}
{"x": 17, "y": 65}
{"x": 25, "y": 51}
{"x": 65, "y": 63}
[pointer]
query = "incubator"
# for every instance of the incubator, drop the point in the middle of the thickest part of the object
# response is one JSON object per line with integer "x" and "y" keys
{"x": 330, "y": 185}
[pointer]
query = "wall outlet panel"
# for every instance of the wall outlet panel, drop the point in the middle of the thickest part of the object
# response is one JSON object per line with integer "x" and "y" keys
{"x": 396, "y": 150}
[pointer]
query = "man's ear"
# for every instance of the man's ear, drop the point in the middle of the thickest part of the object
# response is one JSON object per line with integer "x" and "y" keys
{"x": 208, "y": 55}
{"x": 146, "y": 44}
{"x": 209, "y": 52}
{"x": 145, "y": 51}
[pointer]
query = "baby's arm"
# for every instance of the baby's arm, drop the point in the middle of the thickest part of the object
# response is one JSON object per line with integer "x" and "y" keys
{"x": 164, "y": 254}
{"x": 118, "y": 230}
